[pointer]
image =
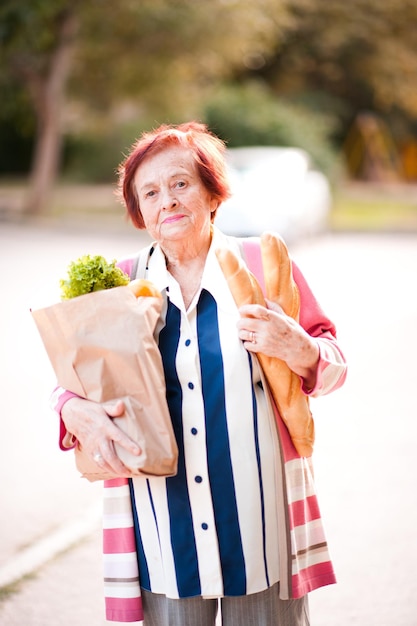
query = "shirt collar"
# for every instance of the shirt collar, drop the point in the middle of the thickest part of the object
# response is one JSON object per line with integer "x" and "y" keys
{"x": 213, "y": 279}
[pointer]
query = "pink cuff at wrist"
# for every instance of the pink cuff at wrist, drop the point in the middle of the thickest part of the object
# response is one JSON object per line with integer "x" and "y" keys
{"x": 60, "y": 396}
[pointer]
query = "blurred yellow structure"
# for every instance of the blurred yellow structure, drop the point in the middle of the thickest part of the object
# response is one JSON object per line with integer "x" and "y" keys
{"x": 370, "y": 151}
{"x": 409, "y": 160}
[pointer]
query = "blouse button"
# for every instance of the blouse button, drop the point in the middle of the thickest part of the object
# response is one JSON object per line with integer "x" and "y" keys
{"x": 198, "y": 479}
{"x": 204, "y": 526}
{"x": 190, "y": 385}
{"x": 194, "y": 431}
{"x": 187, "y": 342}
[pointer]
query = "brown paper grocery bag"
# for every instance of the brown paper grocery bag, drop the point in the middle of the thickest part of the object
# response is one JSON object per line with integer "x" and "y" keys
{"x": 102, "y": 347}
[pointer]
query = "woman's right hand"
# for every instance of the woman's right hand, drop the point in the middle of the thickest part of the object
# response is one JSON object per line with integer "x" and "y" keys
{"x": 92, "y": 425}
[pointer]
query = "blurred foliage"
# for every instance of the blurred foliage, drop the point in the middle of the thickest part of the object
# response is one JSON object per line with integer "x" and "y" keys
{"x": 293, "y": 72}
{"x": 17, "y": 128}
{"x": 362, "y": 53}
{"x": 165, "y": 52}
{"x": 246, "y": 114}
{"x": 94, "y": 154}
{"x": 251, "y": 115}
{"x": 29, "y": 37}
{"x": 88, "y": 158}
{"x": 156, "y": 56}
{"x": 36, "y": 43}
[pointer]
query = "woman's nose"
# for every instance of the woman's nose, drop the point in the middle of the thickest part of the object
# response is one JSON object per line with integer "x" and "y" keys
{"x": 169, "y": 200}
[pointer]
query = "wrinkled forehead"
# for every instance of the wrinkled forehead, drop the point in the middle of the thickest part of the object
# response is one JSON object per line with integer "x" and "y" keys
{"x": 168, "y": 162}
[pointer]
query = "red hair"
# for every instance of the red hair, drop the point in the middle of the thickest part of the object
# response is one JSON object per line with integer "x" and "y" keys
{"x": 208, "y": 151}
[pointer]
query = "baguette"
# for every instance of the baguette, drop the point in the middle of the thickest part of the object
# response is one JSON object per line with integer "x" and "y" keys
{"x": 242, "y": 283}
{"x": 279, "y": 284}
{"x": 285, "y": 385}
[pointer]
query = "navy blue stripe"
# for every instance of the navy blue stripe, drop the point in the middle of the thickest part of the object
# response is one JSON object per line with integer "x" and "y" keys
{"x": 258, "y": 460}
{"x": 218, "y": 448}
{"x": 181, "y": 523}
{"x": 142, "y": 564}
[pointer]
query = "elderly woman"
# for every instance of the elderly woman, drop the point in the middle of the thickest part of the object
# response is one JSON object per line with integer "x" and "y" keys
{"x": 228, "y": 529}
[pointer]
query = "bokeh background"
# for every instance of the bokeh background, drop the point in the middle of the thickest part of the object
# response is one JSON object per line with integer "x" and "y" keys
{"x": 79, "y": 81}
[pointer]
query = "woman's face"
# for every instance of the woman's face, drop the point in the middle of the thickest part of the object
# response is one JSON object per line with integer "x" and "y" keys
{"x": 173, "y": 201}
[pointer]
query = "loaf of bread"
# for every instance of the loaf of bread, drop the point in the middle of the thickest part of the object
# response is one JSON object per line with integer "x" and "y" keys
{"x": 242, "y": 283}
{"x": 280, "y": 287}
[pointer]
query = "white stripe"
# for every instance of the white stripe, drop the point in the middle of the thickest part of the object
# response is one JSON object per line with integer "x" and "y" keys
{"x": 311, "y": 558}
{"x": 121, "y": 520}
{"x": 161, "y": 579}
{"x": 268, "y": 435}
{"x": 310, "y": 534}
{"x": 121, "y": 569}
{"x": 119, "y": 557}
{"x": 208, "y": 557}
{"x": 243, "y": 455}
{"x": 299, "y": 479}
{"x": 116, "y": 492}
{"x": 332, "y": 367}
{"x": 160, "y": 500}
{"x": 123, "y": 590}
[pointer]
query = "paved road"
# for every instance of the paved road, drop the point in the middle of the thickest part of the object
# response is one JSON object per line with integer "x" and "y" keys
{"x": 32, "y": 260}
{"x": 364, "y": 457}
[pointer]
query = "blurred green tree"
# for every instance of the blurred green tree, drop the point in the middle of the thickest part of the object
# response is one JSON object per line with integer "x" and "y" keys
{"x": 250, "y": 114}
{"x": 362, "y": 54}
{"x": 160, "y": 52}
{"x": 73, "y": 62}
{"x": 37, "y": 40}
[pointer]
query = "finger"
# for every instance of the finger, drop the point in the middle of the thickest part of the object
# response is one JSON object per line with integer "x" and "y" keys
{"x": 106, "y": 458}
{"x": 273, "y": 306}
{"x": 114, "y": 409}
{"x": 115, "y": 434}
{"x": 116, "y": 466}
{"x": 249, "y": 338}
{"x": 116, "y": 463}
{"x": 254, "y": 311}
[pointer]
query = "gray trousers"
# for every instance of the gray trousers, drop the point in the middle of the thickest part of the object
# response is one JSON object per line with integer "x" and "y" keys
{"x": 259, "y": 609}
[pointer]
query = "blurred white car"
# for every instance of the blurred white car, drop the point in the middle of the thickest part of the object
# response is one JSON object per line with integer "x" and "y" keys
{"x": 274, "y": 189}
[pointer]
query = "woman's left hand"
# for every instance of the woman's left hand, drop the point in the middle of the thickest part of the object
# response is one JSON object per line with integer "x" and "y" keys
{"x": 272, "y": 332}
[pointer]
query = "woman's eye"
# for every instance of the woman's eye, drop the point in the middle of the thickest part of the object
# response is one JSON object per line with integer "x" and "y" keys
{"x": 180, "y": 184}
{"x": 150, "y": 194}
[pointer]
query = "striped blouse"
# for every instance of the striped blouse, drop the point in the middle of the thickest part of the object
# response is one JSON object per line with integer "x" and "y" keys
{"x": 211, "y": 530}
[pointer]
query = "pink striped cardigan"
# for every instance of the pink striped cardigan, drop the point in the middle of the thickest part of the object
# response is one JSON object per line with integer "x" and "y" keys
{"x": 305, "y": 563}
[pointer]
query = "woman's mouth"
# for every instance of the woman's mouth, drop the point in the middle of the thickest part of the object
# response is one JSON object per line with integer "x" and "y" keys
{"x": 173, "y": 218}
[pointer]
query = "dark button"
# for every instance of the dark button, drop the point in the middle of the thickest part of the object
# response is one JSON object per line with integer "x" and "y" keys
{"x": 187, "y": 342}
{"x": 198, "y": 479}
{"x": 190, "y": 385}
{"x": 194, "y": 431}
{"x": 204, "y": 526}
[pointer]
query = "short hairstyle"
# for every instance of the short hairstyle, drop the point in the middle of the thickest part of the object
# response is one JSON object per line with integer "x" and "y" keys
{"x": 208, "y": 151}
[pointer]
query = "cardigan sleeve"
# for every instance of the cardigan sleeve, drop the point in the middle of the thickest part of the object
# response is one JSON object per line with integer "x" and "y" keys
{"x": 332, "y": 368}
